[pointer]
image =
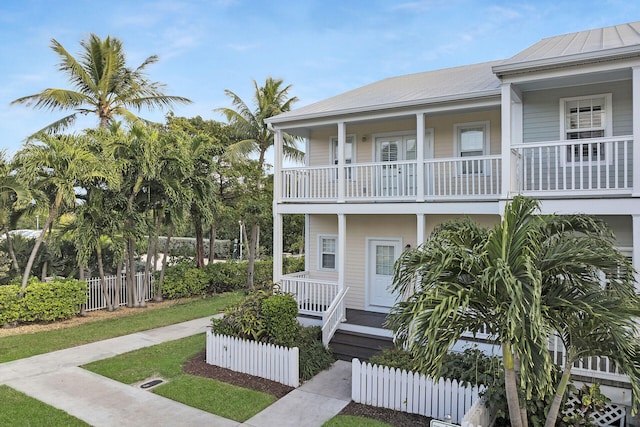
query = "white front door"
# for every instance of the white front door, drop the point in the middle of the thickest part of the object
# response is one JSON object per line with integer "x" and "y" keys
{"x": 382, "y": 254}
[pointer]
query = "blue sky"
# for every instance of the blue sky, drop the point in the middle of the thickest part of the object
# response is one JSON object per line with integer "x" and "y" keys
{"x": 321, "y": 48}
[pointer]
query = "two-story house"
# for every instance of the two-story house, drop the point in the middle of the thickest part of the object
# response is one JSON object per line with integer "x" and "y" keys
{"x": 387, "y": 162}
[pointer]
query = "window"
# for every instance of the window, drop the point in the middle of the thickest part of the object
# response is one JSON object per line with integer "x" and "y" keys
{"x": 349, "y": 153}
{"x": 472, "y": 140}
{"x": 327, "y": 252}
{"x": 585, "y": 118}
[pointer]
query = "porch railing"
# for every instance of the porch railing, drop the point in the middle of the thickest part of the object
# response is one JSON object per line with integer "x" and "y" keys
{"x": 313, "y": 296}
{"x": 116, "y": 284}
{"x": 585, "y": 165}
{"x": 333, "y": 316}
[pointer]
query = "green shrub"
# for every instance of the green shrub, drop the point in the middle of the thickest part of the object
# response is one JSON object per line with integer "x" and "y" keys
{"x": 280, "y": 314}
{"x": 9, "y": 304}
{"x": 225, "y": 276}
{"x": 244, "y": 320}
{"x": 55, "y": 300}
{"x": 183, "y": 280}
{"x": 292, "y": 264}
{"x": 314, "y": 356}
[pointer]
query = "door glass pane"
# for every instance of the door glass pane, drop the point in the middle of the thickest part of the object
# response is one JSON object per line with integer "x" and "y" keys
{"x": 389, "y": 151}
{"x": 471, "y": 141}
{"x": 384, "y": 260}
{"x": 411, "y": 151}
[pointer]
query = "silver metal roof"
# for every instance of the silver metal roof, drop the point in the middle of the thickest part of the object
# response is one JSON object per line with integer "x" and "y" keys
{"x": 603, "y": 43}
{"x": 449, "y": 84}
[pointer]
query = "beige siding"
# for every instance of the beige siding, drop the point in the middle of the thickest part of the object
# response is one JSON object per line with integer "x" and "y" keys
{"x": 443, "y": 133}
{"x": 360, "y": 228}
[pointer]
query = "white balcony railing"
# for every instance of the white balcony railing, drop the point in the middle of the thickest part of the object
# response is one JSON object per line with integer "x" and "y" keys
{"x": 477, "y": 177}
{"x": 588, "y": 166}
{"x": 313, "y": 296}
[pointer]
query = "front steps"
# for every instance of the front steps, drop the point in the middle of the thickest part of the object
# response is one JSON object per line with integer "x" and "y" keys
{"x": 346, "y": 345}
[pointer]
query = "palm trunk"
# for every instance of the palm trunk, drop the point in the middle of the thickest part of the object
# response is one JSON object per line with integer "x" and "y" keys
{"x": 252, "y": 256}
{"x": 511, "y": 386}
{"x": 212, "y": 243}
{"x": 118, "y": 288}
{"x": 554, "y": 409}
{"x": 197, "y": 224}
{"x": 523, "y": 405}
{"x": 52, "y": 213}
{"x": 12, "y": 253}
{"x": 164, "y": 264}
{"x": 151, "y": 251}
{"x": 103, "y": 282}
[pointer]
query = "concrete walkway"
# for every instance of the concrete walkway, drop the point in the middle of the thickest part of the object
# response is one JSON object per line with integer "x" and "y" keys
{"x": 56, "y": 379}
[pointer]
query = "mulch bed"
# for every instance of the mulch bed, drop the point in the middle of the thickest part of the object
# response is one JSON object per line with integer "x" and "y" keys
{"x": 197, "y": 366}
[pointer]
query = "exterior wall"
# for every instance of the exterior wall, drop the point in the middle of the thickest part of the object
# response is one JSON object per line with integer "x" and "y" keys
{"x": 443, "y": 131}
{"x": 541, "y": 109}
{"x": 359, "y": 229}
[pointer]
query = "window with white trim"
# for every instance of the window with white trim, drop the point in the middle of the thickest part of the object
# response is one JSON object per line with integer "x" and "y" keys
{"x": 585, "y": 117}
{"x": 349, "y": 152}
{"x": 327, "y": 252}
{"x": 472, "y": 140}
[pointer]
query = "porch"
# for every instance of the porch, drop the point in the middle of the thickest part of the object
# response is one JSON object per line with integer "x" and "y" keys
{"x": 589, "y": 167}
{"x": 325, "y": 300}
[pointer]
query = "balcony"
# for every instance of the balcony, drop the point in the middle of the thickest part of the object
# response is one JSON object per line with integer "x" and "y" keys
{"x": 593, "y": 167}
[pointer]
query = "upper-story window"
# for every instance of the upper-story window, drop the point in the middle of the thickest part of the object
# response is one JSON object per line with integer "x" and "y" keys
{"x": 349, "y": 152}
{"x": 585, "y": 117}
{"x": 472, "y": 140}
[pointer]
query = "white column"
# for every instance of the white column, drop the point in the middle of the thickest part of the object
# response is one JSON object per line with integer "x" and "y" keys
{"x": 505, "y": 117}
{"x": 636, "y": 131}
{"x": 420, "y": 229}
{"x": 277, "y": 246}
{"x": 420, "y": 156}
{"x": 277, "y": 165}
{"x": 342, "y": 249}
{"x": 635, "y": 254}
{"x": 307, "y": 241}
{"x": 342, "y": 138}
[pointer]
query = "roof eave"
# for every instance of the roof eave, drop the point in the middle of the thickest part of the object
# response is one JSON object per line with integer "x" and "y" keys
{"x": 395, "y": 105}
{"x": 564, "y": 61}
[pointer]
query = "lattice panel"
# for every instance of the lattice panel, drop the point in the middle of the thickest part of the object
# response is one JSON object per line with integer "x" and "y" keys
{"x": 613, "y": 415}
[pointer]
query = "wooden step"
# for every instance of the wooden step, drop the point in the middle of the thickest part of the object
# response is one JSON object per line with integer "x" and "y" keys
{"x": 346, "y": 345}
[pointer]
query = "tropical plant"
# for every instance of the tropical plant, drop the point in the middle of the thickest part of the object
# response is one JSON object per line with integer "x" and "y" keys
{"x": 270, "y": 100}
{"x": 526, "y": 278}
{"x": 102, "y": 84}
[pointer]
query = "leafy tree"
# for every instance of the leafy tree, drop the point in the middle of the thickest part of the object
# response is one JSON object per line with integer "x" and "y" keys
{"x": 102, "y": 84}
{"x": 527, "y": 277}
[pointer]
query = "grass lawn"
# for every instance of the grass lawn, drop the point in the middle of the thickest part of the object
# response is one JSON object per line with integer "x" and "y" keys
{"x": 165, "y": 360}
{"x": 18, "y": 409}
{"x": 25, "y": 345}
{"x": 352, "y": 421}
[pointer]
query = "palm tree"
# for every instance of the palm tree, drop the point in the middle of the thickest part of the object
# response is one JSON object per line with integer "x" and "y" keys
{"x": 102, "y": 85}
{"x": 58, "y": 165}
{"x": 270, "y": 100}
{"x": 522, "y": 280}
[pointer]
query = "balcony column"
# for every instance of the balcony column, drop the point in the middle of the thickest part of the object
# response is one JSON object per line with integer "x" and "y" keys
{"x": 277, "y": 165}
{"x": 342, "y": 138}
{"x": 420, "y": 157}
{"x": 342, "y": 249}
{"x": 277, "y": 198}
{"x": 636, "y": 132}
{"x": 511, "y": 129}
{"x": 635, "y": 253}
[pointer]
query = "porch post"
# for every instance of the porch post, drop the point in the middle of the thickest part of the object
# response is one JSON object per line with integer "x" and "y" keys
{"x": 636, "y": 133}
{"x": 277, "y": 198}
{"x": 511, "y": 129}
{"x": 277, "y": 246}
{"x": 342, "y": 137}
{"x": 635, "y": 254}
{"x": 420, "y": 229}
{"x": 342, "y": 249}
{"x": 420, "y": 157}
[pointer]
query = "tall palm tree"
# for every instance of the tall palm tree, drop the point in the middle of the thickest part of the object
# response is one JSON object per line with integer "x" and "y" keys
{"x": 102, "y": 84}
{"x": 270, "y": 100}
{"x": 58, "y": 165}
{"x": 526, "y": 278}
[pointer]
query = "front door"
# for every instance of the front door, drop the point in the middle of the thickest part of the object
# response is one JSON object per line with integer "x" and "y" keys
{"x": 382, "y": 254}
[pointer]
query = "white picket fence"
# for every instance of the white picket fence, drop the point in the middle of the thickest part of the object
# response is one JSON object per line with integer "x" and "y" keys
{"x": 479, "y": 415}
{"x": 95, "y": 298}
{"x": 410, "y": 392}
{"x": 275, "y": 363}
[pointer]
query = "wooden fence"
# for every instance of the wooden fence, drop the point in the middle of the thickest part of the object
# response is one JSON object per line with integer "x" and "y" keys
{"x": 275, "y": 363}
{"x": 410, "y": 392}
{"x": 95, "y": 298}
